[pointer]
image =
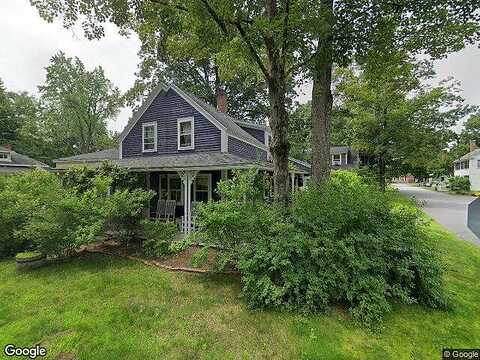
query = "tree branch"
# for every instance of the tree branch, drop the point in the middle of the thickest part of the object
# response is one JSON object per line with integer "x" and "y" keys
{"x": 167, "y": 3}
{"x": 250, "y": 47}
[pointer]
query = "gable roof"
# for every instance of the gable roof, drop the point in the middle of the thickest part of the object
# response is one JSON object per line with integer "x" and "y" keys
{"x": 469, "y": 155}
{"x": 254, "y": 125}
{"x": 109, "y": 154}
{"x": 20, "y": 160}
{"x": 221, "y": 120}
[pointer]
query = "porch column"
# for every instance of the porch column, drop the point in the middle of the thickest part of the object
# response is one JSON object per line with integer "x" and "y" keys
{"x": 293, "y": 181}
{"x": 303, "y": 180}
{"x": 187, "y": 176}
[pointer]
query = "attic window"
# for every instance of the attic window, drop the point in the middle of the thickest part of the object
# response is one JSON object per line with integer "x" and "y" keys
{"x": 149, "y": 137}
{"x": 5, "y": 156}
{"x": 185, "y": 133}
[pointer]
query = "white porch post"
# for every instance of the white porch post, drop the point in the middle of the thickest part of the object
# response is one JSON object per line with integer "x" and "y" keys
{"x": 303, "y": 180}
{"x": 293, "y": 181}
{"x": 187, "y": 179}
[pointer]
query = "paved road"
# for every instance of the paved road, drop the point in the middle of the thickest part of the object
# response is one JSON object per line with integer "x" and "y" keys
{"x": 449, "y": 210}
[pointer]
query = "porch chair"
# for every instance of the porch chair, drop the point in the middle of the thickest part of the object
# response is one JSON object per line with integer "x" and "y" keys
{"x": 161, "y": 207}
{"x": 170, "y": 207}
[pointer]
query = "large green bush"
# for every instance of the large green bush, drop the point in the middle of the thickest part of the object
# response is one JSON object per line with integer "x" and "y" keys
{"x": 39, "y": 212}
{"x": 347, "y": 243}
{"x": 459, "y": 183}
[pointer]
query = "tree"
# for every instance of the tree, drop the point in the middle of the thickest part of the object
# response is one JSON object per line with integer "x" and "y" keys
{"x": 8, "y": 125}
{"x": 246, "y": 93}
{"x": 337, "y": 33}
{"x": 77, "y": 105}
{"x": 258, "y": 37}
{"x": 299, "y": 131}
{"x": 394, "y": 117}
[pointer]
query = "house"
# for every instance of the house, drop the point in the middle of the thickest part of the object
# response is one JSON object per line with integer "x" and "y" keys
{"x": 344, "y": 158}
{"x": 185, "y": 147}
{"x": 469, "y": 166}
{"x": 12, "y": 162}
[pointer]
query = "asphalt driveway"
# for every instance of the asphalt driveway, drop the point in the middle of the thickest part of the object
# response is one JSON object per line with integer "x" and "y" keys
{"x": 447, "y": 209}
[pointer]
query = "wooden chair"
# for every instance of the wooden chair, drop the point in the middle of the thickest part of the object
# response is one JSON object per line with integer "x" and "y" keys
{"x": 161, "y": 207}
{"x": 170, "y": 208}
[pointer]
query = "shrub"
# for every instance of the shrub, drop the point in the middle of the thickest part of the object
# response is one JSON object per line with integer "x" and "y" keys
{"x": 39, "y": 212}
{"x": 344, "y": 243}
{"x": 21, "y": 197}
{"x": 459, "y": 183}
{"x": 81, "y": 178}
{"x": 159, "y": 237}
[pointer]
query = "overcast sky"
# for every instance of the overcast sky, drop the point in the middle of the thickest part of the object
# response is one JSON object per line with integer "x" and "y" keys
{"x": 27, "y": 43}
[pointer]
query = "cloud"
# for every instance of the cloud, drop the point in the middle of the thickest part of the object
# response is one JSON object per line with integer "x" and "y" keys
{"x": 28, "y": 43}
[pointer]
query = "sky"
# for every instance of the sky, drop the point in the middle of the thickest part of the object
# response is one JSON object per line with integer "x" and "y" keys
{"x": 27, "y": 43}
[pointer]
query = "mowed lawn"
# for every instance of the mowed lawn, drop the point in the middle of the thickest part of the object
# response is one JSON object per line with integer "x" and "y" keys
{"x": 99, "y": 307}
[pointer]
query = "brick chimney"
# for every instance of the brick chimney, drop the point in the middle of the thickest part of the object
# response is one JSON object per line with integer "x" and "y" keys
{"x": 473, "y": 145}
{"x": 221, "y": 100}
{"x": 8, "y": 147}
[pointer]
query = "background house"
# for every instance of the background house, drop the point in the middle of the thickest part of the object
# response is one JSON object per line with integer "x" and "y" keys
{"x": 469, "y": 166}
{"x": 13, "y": 162}
{"x": 344, "y": 157}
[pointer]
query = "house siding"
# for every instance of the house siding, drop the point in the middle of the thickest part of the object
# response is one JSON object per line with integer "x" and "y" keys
{"x": 165, "y": 110}
{"x": 256, "y": 133}
{"x": 245, "y": 150}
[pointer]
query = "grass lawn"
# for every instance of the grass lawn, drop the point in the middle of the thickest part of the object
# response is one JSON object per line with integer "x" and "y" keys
{"x": 98, "y": 307}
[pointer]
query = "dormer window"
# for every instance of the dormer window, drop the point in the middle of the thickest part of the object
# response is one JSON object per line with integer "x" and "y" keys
{"x": 185, "y": 133}
{"x": 149, "y": 137}
{"x": 5, "y": 156}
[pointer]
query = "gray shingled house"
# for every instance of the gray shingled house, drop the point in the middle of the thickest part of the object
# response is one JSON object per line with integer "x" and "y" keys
{"x": 185, "y": 147}
{"x": 12, "y": 162}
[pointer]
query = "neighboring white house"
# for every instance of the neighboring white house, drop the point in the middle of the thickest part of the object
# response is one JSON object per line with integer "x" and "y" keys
{"x": 469, "y": 165}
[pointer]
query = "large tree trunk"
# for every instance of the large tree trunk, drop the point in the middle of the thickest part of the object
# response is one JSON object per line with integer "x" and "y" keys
{"x": 276, "y": 80}
{"x": 322, "y": 98}
{"x": 279, "y": 144}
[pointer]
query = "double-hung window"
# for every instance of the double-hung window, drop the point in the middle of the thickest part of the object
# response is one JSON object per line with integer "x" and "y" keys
{"x": 5, "y": 156}
{"x": 149, "y": 137}
{"x": 336, "y": 159}
{"x": 185, "y": 133}
{"x": 203, "y": 187}
{"x": 171, "y": 188}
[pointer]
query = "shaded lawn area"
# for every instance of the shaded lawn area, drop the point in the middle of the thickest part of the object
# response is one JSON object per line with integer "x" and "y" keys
{"x": 99, "y": 307}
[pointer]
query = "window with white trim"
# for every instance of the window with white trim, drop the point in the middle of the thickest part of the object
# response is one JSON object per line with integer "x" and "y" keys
{"x": 149, "y": 137}
{"x": 185, "y": 133}
{"x": 5, "y": 156}
{"x": 336, "y": 159}
{"x": 171, "y": 188}
{"x": 203, "y": 187}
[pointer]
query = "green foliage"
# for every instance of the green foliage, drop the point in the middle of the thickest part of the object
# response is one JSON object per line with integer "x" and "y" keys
{"x": 394, "y": 117}
{"x": 33, "y": 255}
{"x": 346, "y": 242}
{"x": 459, "y": 183}
{"x": 78, "y": 103}
{"x": 38, "y": 212}
{"x": 82, "y": 178}
{"x": 200, "y": 257}
{"x": 159, "y": 237}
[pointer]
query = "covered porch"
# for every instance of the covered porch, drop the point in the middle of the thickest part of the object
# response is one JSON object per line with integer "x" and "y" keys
{"x": 188, "y": 179}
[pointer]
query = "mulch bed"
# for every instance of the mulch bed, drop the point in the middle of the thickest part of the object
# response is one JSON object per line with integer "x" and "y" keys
{"x": 176, "y": 262}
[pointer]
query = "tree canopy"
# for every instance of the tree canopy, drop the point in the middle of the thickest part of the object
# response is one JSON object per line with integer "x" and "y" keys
{"x": 393, "y": 116}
